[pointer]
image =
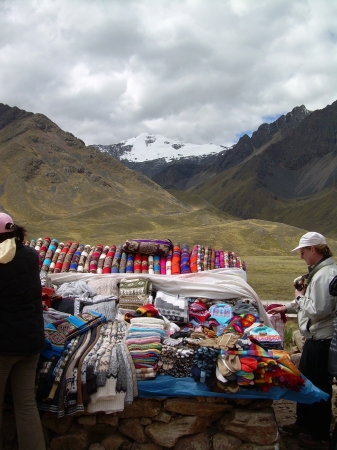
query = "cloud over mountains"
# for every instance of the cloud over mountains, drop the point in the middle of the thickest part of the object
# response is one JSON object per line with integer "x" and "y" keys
{"x": 198, "y": 71}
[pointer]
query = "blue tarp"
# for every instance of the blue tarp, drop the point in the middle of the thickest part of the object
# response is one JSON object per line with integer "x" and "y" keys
{"x": 167, "y": 386}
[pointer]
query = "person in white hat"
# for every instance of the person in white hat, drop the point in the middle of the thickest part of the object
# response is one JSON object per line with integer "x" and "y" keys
{"x": 316, "y": 309}
{"x": 21, "y": 330}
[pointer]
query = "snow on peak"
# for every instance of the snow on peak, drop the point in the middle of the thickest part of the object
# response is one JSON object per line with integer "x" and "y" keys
{"x": 147, "y": 147}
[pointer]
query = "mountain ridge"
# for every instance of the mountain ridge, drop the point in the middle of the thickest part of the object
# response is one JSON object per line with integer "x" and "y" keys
{"x": 286, "y": 171}
{"x": 48, "y": 176}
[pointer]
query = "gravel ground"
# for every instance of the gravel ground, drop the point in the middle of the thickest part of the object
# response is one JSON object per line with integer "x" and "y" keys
{"x": 285, "y": 412}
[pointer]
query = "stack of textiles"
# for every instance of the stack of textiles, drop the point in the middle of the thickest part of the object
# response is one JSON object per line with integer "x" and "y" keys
{"x": 173, "y": 307}
{"x": 204, "y": 365}
{"x": 176, "y": 361}
{"x": 244, "y": 363}
{"x": 222, "y": 343}
{"x": 144, "y": 342}
{"x": 60, "y": 332}
{"x": 56, "y": 256}
{"x": 261, "y": 369}
{"x": 233, "y": 315}
{"x": 94, "y": 370}
{"x": 81, "y": 296}
{"x": 134, "y": 293}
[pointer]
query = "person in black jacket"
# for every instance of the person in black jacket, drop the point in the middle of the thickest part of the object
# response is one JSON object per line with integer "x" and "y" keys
{"x": 21, "y": 330}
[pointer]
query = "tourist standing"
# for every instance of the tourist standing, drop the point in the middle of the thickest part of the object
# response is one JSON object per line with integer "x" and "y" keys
{"x": 315, "y": 308}
{"x": 21, "y": 330}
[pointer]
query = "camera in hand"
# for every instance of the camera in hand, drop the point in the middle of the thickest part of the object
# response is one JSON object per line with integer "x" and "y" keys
{"x": 299, "y": 283}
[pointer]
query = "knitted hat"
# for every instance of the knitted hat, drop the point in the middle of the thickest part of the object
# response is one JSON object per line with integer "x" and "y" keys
{"x": 228, "y": 364}
{"x": 221, "y": 312}
{"x": 265, "y": 334}
{"x": 244, "y": 376}
{"x": 227, "y": 340}
{"x": 219, "y": 376}
{"x": 248, "y": 364}
{"x": 147, "y": 310}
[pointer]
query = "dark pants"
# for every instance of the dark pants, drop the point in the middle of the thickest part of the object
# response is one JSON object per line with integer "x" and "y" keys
{"x": 314, "y": 365}
{"x": 21, "y": 372}
{"x": 333, "y": 442}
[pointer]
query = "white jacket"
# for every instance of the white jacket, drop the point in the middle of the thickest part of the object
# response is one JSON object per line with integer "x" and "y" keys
{"x": 317, "y": 308}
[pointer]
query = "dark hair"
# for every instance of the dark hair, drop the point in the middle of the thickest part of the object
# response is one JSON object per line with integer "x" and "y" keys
{"x": 16, "y": 231}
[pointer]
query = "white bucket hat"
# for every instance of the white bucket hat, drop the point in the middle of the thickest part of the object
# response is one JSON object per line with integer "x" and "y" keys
{"x": 310, "y": 239}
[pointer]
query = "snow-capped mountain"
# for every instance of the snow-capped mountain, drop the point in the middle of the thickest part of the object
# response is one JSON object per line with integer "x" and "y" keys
{"x": 149, "y": 147}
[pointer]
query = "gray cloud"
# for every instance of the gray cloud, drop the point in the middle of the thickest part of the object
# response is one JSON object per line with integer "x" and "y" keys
{"x": 192, "y": 70}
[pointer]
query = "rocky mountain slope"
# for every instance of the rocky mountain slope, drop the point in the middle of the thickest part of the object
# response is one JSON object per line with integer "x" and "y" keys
{"x": 48, "y": 176}
{"x": 49, "y": 180}
{"x": 291, "y": 179}
{"x": 286, "y": 171}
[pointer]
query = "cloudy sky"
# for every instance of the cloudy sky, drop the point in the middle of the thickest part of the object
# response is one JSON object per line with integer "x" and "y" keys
{"x": 199, "y": 71}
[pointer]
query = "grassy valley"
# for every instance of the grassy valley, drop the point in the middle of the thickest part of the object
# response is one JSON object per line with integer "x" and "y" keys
{"x": 55, "y": 186}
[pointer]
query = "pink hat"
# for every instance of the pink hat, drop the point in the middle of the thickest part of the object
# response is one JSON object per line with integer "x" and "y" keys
{"x": 6, "y": 223}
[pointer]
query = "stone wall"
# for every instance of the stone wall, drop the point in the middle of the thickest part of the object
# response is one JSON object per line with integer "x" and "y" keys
{"x": 197, "y": 423}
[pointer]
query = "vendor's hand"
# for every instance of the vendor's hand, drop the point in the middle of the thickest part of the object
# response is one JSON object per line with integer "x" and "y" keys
{"x": 278, "y": 309}
{"x": 297, "y": 293}
{"x": 44, "y": 306}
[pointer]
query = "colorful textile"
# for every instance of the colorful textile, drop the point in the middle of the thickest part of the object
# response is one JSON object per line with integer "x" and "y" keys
{"x": 61, "y": 257}
{"x": 130, "y": 263}
{"x": 204, "y": 365}
{"x": 86, "y": 268}
{"x": 198, "y": 313}
{"x": 169, "y": 263}
{"x": 176, "y": 259}
{"x": 212, "y": 259}
{"x": 150, "y": 263}
{"x": 43, "y": 250}
{"x": 148, "y": 246}
{"x": 185, "y": 259}
{"x": 116, "y": 260}
{"x": 108, "y": 260}
{"x": 193, "y": 259}
{"x": 145, "y": 264}
{"x": 55, "y": 257}
{"x": 217, "y": 260}
{"x": 38, "y": 244}
{"x": 84, "y": 255}
{"x": 173, "y": 307}
{"x": 264, "y": 335}
{"x": 69, "y": 256}
{"x": 156, "y": 264}
{"x": 122, "y": 263}
{"x": 76, "y": 258}
{"x": 177, "y": 362}
{"x": 49, "y": 254}
{"x": 162, "y": 265}
{"x": 94, "y": 258}
{"x": 101, "y": 260}
{"x": 144, "y": 342}
{"x": 134, "y": 293}
{"x": 200, "y": 258}
{"x": 137, "y": 265}
{"x": 221, "y": 259}
{"x": 59, "y": 332}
